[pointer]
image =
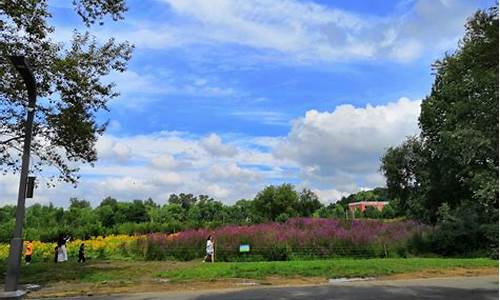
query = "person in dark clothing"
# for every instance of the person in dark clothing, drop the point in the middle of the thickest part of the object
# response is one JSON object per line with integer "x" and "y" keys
{"x": 56, "y": 253}
{"x": 81, "y": 253}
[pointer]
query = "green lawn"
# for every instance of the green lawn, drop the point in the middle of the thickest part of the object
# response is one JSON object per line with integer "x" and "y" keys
{"x": 97, "y": 271}
{"x": 322, "y": 268}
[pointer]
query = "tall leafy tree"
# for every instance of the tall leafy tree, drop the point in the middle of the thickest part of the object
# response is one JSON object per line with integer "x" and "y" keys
{"x": 308, "y": 203}
{"x": 455, "y": 159}
{"x": 459, "y": 119}
{"x": 69, "y": 81}
{"x": 274, "y": 201}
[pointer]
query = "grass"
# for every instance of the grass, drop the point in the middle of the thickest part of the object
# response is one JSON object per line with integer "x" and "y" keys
{"x": 108, "y": 277}
{"x": 98, "y": 271}
{"x": 322, "y": 268}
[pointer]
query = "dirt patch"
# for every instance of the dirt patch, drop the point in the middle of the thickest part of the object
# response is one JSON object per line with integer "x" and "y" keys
{"x": 436, "y": 273}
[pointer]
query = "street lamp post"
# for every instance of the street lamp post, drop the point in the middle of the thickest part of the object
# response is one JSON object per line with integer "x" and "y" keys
{"x": 16, "y": 244}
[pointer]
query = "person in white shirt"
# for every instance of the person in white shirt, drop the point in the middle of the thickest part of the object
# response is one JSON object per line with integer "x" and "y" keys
{"x": 210, "y": 250}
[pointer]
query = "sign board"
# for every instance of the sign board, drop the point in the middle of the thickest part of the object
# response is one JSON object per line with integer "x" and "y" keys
{"x": 244, "y": 248}
{"x": 30, "y": 186}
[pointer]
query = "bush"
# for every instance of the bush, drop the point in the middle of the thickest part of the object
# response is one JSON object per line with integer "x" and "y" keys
{"x": 372, "y": 213}
{"x": 461, "y": 233}
{"x": 278, "y": 252}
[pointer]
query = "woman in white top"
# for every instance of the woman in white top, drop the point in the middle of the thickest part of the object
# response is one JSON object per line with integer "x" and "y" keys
{"x": 62, "y": 252}
{"x": 210, "y": 249}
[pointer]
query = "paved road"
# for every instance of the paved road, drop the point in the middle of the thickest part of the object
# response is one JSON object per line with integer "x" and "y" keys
{"x": 481, "y": 288}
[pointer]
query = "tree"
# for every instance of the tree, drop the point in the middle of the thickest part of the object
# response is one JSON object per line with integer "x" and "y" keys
{"x": 455, "y": 159}
{"x": 243, "y": 212}
{"x": 76, "y": 203}
{"x": 70, "y": 78}
{"x": 448, "y": 176}
{"x": 308, "y": 203}
{"x": 324, "y": 212}
{"x": 459, "y": 120}
{"x": 276, "y": 200}
{"x": 371, "y": 213}
{"x": 388, "y": 212}
{"x": 107, "y": 212}
{"x": 339, "y": 212}
{"x": 405, "y": 168}
{"x": 184, "y": 200}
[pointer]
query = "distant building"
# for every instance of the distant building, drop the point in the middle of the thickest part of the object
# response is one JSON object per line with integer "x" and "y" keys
{"x": 362, "y": 205}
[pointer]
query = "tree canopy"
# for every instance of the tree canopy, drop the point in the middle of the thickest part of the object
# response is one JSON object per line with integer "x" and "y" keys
{"x": 69, "y": 81}
{"x": 455, "y": 158}
{"x": 451, "y": 168}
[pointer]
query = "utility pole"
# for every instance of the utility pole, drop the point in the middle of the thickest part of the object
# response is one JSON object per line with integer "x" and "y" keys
{"x": 16, "y": 244}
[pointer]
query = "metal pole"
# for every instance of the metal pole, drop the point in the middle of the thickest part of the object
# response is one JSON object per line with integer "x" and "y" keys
{"x": 16, "y": 244}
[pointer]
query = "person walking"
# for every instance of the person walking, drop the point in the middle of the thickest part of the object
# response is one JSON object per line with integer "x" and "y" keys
{"x": 81, "y": 253}
{"x": 63, "y": 253}
{"x": 29, "y": 252}
{"x": 56, "y": 254}
{"x": 210, "y": 250}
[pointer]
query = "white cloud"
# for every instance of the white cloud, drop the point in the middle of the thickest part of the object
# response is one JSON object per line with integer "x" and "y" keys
{"x": 217, "y": 191}
{"x": 307, "y": 31}
{"x": 232, "y": 172}
{"x": 213, "y": 145}
{"x": 164, "y": 161}
{"x": 166, "y": 83}
{"x": 346, "y": 144}
{"x": 109, "y": 149}
{"x": 334, "y": 153}
{"x": 329, "y": 195}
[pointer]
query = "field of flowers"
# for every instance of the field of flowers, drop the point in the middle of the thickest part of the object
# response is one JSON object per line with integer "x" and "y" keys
{"x": 110, "y": 247}
{"x": 296, "y": 238}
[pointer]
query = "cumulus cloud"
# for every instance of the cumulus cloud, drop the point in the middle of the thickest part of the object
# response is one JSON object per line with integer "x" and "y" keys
{"x": 213, "y": 145}
{"x": 232, "y": 172}
{"x": 346, "y": 144}
{"x": 109, "y": 149}
{"x": 329, "y": 195}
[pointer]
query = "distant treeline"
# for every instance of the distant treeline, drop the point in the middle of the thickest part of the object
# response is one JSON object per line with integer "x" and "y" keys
{"x": 181, "y": 211}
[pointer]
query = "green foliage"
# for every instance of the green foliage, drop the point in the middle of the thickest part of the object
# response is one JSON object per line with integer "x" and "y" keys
{"x": 70, "y": 77}
{"x": 278, "y": 252}
{"x": 338, "y": 212}
{"x": 308, "y": 203}
{"x": 461, "y": 233}
{"x": 283, "y": 217}
{"x": 183, "y": 211}
{"x": 448, "y": 176}
{"x": 388, "y": 212}
{"x": 372, "y": 213}
{"x": 275, "y": 200}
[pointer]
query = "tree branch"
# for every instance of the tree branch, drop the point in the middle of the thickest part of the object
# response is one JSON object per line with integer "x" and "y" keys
{"x": 11, "y": 139}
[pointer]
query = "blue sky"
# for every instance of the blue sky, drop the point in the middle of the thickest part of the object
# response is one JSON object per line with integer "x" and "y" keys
{"x": 225, "y": 97}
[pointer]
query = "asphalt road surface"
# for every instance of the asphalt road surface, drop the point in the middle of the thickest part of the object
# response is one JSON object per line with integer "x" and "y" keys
{"x": 469, "y": 288}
